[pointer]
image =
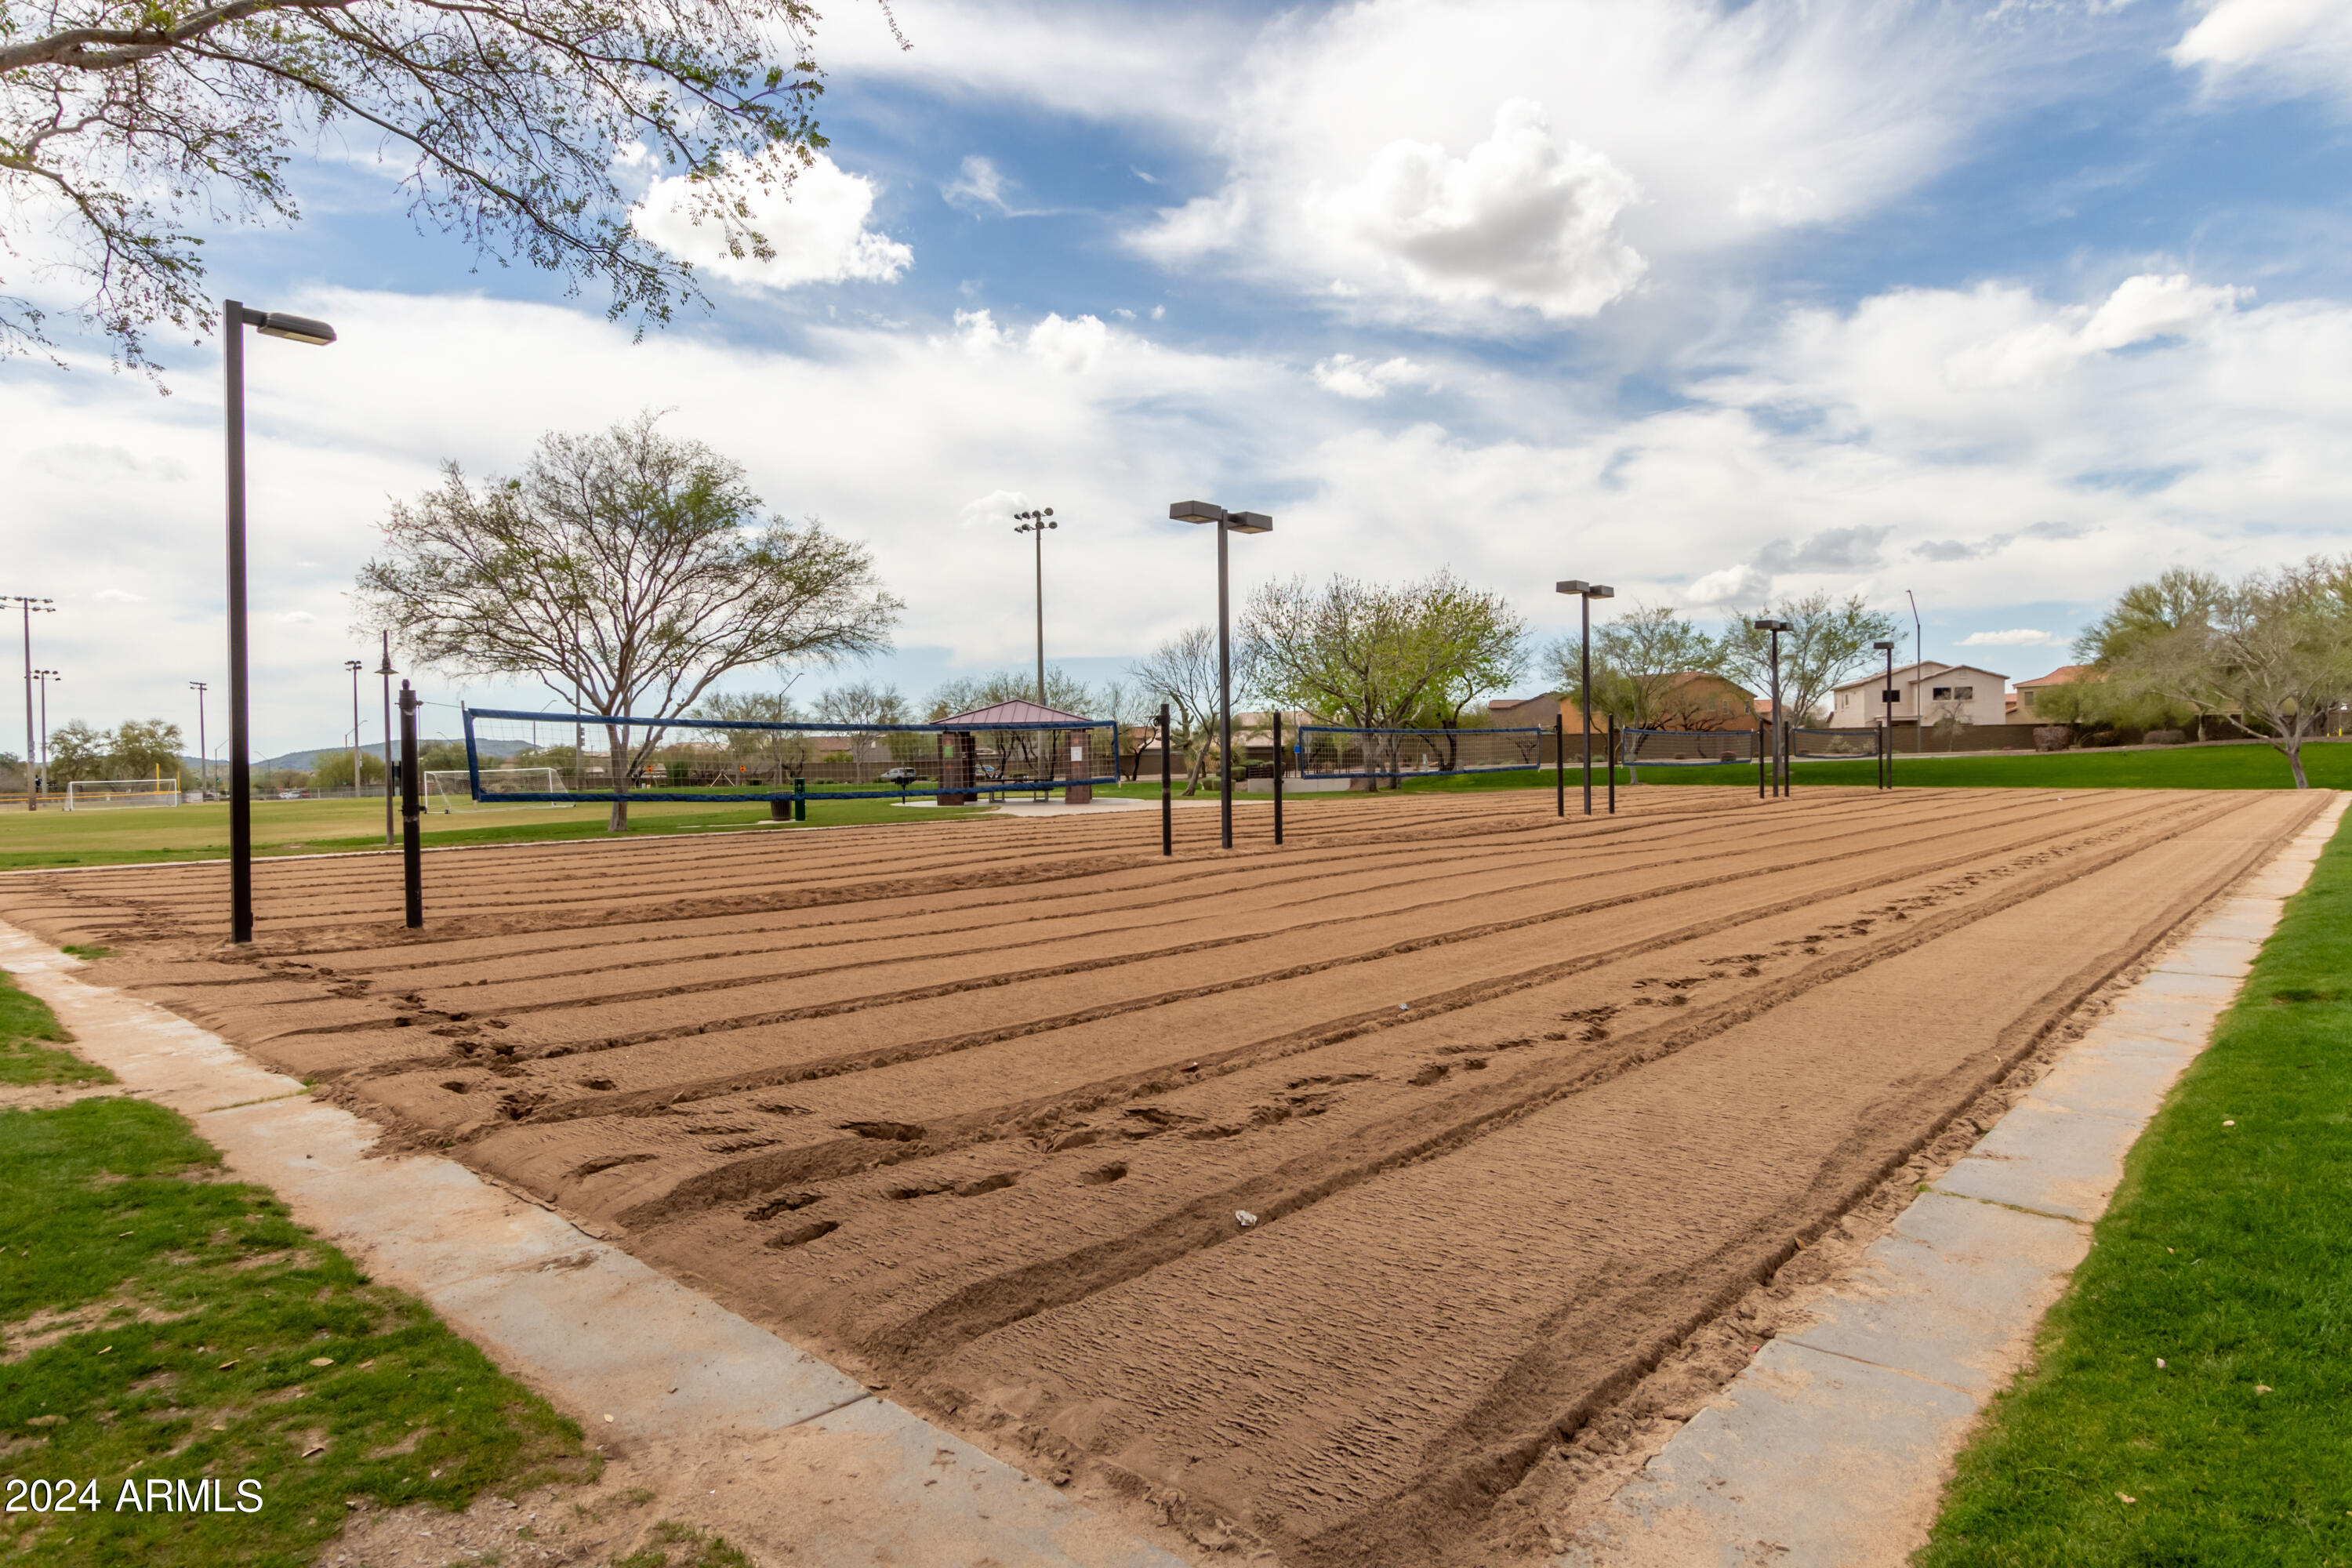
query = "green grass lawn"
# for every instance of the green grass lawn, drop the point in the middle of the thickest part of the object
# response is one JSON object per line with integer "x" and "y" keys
{"x": 2253, "y": 766}
{"x": 48, "y": 838}
{"x": 164, "y": 1325}
{"x": 2227, "y": 1255}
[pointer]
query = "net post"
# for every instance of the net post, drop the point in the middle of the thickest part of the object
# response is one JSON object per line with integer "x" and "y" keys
{"x": 1612, "y": 764}
{"x": 800, "y": 798}
{"x": 1559, "y": 764}
{"x": 473, "y": 756}
{"x": 1167, "y": 801}
{"x": 1759, "y": 759}
{"x": 1277, "y": 775}
{"x": 412, "y": 832}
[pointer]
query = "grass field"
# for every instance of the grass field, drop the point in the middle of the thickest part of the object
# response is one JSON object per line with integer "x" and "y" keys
{"x": 321, "y": 827}
{"x": 2189, "y": 1401}
{"x": 2249, "y": 766}
{"x": 165, "y": 1324}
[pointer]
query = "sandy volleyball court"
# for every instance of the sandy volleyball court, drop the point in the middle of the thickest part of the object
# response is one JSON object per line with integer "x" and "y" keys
{"x": 1519, "y": 1104}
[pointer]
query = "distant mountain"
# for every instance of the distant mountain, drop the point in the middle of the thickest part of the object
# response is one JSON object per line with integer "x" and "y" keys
{"x": 303, "y": 762}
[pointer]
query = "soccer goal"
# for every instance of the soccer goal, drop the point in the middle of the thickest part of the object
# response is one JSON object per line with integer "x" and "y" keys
{"x": 108, "y": 794}
{"x": 1329, "y": 751}
{"x": 502, "y": 789}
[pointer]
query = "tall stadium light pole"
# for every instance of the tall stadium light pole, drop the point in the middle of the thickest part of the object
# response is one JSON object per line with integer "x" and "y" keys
{"x": 1779, "y": 763}
{"x": 1586, "y": 592}
{"x": 236, "y": 318}
{"x": 45, "y": 676}
{"x": 204, "y": 750}
{"x": 31, "y": 606}
{"x": 1037, "y": 524}
{"x": 1199, "y": 512}
{"x": 355, "y": 666}
{"x": 385, "y": 670}
{"x": 1886, "y": 697}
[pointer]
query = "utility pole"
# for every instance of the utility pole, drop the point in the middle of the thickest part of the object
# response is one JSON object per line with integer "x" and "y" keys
{"x": 31, "y": 606}
{"x": 1037, "y": 524}
{"x": 204, "y": 751}
{"x": 354, "y": 666}
{"x": 45, "y": 676}
{"x": 387, "y": 672}
{"x": 1918, "y": 674}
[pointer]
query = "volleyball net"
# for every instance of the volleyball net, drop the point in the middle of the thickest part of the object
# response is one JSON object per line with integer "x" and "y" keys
{"x": 604, "y": 757}
{"x": 1329, "y": 751}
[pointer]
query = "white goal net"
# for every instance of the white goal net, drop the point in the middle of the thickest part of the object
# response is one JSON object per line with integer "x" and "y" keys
{"x": 453, "y": 791}
{"x": 101, "y": 795}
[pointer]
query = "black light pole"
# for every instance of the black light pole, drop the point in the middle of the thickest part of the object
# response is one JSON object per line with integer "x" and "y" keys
{"x": 386, "y": 671}
{"x": 31, "y": 606}
{"x": 1886, "y": 725}
{"x": 1167, "y": 809}
{"x": 204, "y": 751}
{"x": 1779, "y": 763}
{"x": 412, "y": 841}
{"x": 1037, "y": 522}
{"x": 1586, "y": 592}
{"x": 1277, "y": 775}
{"x": 236, "y": 318}
{"x": 1227, "y": 523}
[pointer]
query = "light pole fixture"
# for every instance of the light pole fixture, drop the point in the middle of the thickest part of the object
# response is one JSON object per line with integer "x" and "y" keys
{"x": 1586, "y": 592}
{"x": 1779, "y": 762}
{"x": 31, "y": 606}
{"x": 1886, "y": 741}
{"x": 204, "y": 751}
{"x": 43, "y": 677}
{"x": 1200, "y": 511}
{"x": 386, "y": 670}
{"x": 235, "y": 317}
{"x": 1037, "y": 524}
{"x": 355, "y": 666}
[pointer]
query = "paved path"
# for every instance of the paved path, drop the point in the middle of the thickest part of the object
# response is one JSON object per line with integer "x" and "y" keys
{"x": 1832, "y": 1448}
{"x": 640, "y": 1362}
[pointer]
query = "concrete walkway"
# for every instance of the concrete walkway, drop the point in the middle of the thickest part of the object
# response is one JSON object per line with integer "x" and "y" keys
{"x": 1832, "y": 1448}
{"x": 644, "y": 1363}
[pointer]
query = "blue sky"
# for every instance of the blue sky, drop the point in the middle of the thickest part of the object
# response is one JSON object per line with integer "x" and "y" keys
{"x": 2006, "y": 304}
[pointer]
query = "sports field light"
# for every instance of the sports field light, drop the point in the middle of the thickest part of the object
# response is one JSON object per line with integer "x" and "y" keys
{"x": 1037, "y": 522}
{"x": 1200, "y": 511}
{"x": 32, "y": 605}
{"x": 1586, "y": 592}
{"x": 236, "y": 317}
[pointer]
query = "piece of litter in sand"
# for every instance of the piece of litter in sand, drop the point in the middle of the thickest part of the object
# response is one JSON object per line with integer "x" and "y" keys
{"x": 1245, "y": 1218}
{"x": 1404, "y": 1006}
{"x": 314, "y": 1449}
{"x": 608, "y": 1418}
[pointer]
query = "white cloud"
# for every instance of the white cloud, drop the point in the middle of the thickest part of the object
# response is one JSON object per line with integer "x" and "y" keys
{"x": 980, "y": 185}
{"x": 1201, "y": 227}
{"x": 1732, "y": 585}
{"x": 119, "y": 597}
{"x": 993, "y": 509}
{"x": 86, "y": 460}
{"x": 1362, "y": 379}
{"x": 1072, "y": 346}
{"x": 2290, "y": 46}
{"x": 296, "y": 617}
{"x": 1519, "y": 219}
{"x": 1832, "y": 550}
{"x": 2142, "y": 308}
{"x": 2020, "y": 637}
{"x": 812, "y": 220}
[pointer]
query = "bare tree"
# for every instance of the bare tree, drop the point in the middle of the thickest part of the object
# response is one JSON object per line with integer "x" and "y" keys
{"x": 1183, "y": 672}
{"x": 864, "y": 703}
{"x": 2272, "y": 655}
{"x": 635, "y": 569}
{"x": 510, "y": 122}
{"x": 783, "y": 754}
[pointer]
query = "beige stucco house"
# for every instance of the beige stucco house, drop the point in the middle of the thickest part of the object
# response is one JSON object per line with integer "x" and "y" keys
{"x": 1931, "y": 692}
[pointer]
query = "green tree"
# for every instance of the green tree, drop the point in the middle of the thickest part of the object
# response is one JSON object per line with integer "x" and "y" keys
{"x": 512, "y": 126}
{"x": 1830, "y": 640}
{"x": 1063, "y": 691}
{"x": 2272, "y": 655}
{"x": 146, "y": 748}
{"x": 2143, "y": 614}
{"x": 334, "y": 769}
{"x": 777, "y": 754}
{"x": 1375, "y": 657}
{"x": 79, "y": 752}
{"x": 1641, "y": 663}
{"x": 631, "y": 568}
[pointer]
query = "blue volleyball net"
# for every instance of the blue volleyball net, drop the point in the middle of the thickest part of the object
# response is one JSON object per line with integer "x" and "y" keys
{"x": 604, "y": 757}
{"x": 1821, "y": 746}
{"x": 1329, "y": 751}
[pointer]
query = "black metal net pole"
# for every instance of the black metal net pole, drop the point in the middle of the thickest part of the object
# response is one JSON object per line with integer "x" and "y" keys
{"x": 1612, "y": 764}
{"x": 1559, "y": 759}
{"x": 1167, "y": 806}
{"x": 412, "y": 828}
{"x": 1277, "y": 775}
